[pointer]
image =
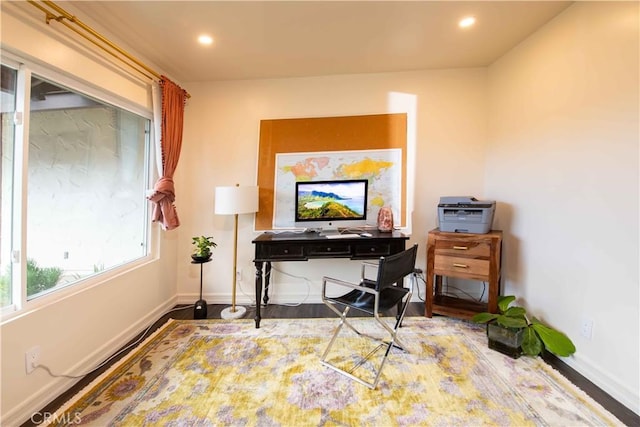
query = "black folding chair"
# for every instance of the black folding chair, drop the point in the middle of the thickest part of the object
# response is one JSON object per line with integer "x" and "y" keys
{"x": 373, "y": 297}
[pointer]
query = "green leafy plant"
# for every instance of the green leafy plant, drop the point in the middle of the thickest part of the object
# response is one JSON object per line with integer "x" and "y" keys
{"x": 5, "y": 289}
{"x": 536, "y": 335}
{"x": 203, "y": 246}
{"x": 41, "y": 278}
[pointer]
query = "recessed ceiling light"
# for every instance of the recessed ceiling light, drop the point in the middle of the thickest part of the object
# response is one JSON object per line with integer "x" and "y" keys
{"x": 205, "y": 39}
{"x": 466, "y": 22}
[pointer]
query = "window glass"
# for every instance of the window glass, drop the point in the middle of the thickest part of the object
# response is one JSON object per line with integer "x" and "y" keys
{"x": 87, "y": 176}
{"x": 8, "y": 77}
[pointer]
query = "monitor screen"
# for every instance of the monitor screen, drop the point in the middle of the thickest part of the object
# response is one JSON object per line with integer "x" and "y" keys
{"x": 331, "y": 204}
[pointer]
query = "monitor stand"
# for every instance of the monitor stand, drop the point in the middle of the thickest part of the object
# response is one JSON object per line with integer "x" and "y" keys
{"x": 329, "y": 231}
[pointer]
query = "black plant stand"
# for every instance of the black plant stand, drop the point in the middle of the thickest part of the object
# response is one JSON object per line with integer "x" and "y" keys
{"x": 200, "y": 307}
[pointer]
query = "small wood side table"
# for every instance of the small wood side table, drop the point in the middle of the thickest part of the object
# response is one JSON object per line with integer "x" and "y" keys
{"x": 465, "y": 256}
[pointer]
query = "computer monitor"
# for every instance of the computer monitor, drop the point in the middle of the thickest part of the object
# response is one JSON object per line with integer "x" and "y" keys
{"x": 328, "y": 205}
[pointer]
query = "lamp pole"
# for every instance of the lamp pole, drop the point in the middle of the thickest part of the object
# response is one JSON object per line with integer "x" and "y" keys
{"x": 234, "y": 201}
{"x": 235, "y": 262}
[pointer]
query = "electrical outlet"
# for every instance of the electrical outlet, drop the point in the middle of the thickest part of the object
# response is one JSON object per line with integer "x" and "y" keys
{"x": 239, "y": 275}
{"x": 32, "y": 358}
{"x": 586, "y": 329}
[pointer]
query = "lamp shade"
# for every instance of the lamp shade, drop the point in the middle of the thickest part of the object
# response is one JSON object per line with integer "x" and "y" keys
{"x": 236, "y": 200}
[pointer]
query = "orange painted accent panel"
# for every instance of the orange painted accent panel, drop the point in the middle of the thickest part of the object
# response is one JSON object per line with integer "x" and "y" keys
{"x": 347, "y": 133}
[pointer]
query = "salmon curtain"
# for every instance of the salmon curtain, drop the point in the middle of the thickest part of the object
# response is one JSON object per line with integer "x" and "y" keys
{"x": 164, "y": 195}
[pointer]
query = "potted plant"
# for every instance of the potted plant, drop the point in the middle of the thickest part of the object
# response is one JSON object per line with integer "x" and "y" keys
{"x": 202, "y": 250}
{"x": 513, "y": 333}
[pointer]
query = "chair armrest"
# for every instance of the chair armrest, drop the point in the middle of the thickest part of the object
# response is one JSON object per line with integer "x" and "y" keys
{"x": 346, "y": 284}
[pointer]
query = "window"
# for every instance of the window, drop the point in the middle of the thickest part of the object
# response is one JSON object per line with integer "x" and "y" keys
{"x": 7, "y": 111}
{"x": 86, "y": 178}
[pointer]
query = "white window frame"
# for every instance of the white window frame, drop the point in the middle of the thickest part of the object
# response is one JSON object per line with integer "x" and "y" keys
{"x": 26, "y": 68}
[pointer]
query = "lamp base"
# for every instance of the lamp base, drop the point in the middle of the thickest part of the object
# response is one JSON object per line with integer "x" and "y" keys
{"x": 228, "y": 314}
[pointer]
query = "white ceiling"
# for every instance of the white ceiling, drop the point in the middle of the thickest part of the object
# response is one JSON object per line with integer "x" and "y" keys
{"x": 271, "y": 39}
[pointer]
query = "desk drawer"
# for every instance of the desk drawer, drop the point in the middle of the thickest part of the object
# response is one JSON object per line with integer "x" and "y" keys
{"x": 461, "y": 267}
{"x": 459, "y": 248}
{"x": 373, "y": 250}
{"x": 284, "y": 251}
{"x": 334, "y": 249}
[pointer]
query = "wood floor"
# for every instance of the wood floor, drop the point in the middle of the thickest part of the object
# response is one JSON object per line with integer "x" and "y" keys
{"x": 623, "y": 413}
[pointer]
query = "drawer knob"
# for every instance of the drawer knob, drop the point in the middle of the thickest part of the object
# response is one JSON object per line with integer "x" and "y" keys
{"x": 286, "y": 251}
{"x": 460, "y": 248}
{"x": 328, "y": 249}
{"x": 372, "y": 249}
{"x": 460, "y": 265}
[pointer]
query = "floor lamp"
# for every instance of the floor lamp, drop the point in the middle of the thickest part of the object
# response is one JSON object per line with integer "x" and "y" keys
{"x": 234, "y": 201}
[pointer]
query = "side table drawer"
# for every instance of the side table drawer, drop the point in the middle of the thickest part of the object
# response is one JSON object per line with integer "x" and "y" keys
{"x": 462, "y": 248}
{"x": 460, "y": 266}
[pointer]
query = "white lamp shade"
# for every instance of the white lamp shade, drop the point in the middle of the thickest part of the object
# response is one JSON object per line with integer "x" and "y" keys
{"x": 236, "y": 200}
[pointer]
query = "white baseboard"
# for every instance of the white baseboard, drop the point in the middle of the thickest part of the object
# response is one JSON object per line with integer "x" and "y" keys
{"x": 626, "y": 396}
{"x": 30, "y": 407}
{"x": 191, "y": 298}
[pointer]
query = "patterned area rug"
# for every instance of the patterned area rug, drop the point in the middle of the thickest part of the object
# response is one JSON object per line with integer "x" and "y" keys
{"x": 216, "y": 372}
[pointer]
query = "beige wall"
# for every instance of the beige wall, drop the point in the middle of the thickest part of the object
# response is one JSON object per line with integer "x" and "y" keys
{"x": 447, "y": 121}
{"x": 563, "y": 160}
{"x": 24, "y": 31}
{"x": 78, "y": 331}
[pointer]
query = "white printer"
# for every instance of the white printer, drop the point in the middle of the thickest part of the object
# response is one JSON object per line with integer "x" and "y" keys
{"x": 465, "y": 214}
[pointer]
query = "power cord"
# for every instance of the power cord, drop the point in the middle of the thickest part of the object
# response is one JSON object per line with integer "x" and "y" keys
{"x": 266, "y": 288}
{"x": 307, "y": 281}
{"x": 417, "y": 272}
{"x": 484, "y": 289}
{"x": 122, "y": 350}
{"x": 251, "y": 297}
{"x": 455, "y": 291}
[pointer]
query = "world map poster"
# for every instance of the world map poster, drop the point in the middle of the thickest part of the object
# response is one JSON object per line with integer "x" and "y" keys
{"x": 382, "y": 168}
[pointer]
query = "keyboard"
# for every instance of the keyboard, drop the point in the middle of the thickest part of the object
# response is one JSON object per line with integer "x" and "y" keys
{"x": 342, "y": 236}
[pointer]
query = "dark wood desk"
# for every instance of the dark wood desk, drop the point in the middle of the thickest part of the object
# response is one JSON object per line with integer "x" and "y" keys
{"x": 274, "y": 247}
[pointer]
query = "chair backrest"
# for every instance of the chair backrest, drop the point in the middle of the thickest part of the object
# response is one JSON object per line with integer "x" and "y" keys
{"x": 395, "y": 267}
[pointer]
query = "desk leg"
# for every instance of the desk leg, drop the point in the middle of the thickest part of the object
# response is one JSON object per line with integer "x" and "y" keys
{"x": 258, "y": 291}
{"x": 267, "y": 280}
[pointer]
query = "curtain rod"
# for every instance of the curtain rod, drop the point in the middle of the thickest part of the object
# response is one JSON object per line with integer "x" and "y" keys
{"x": 110, "y": 46}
